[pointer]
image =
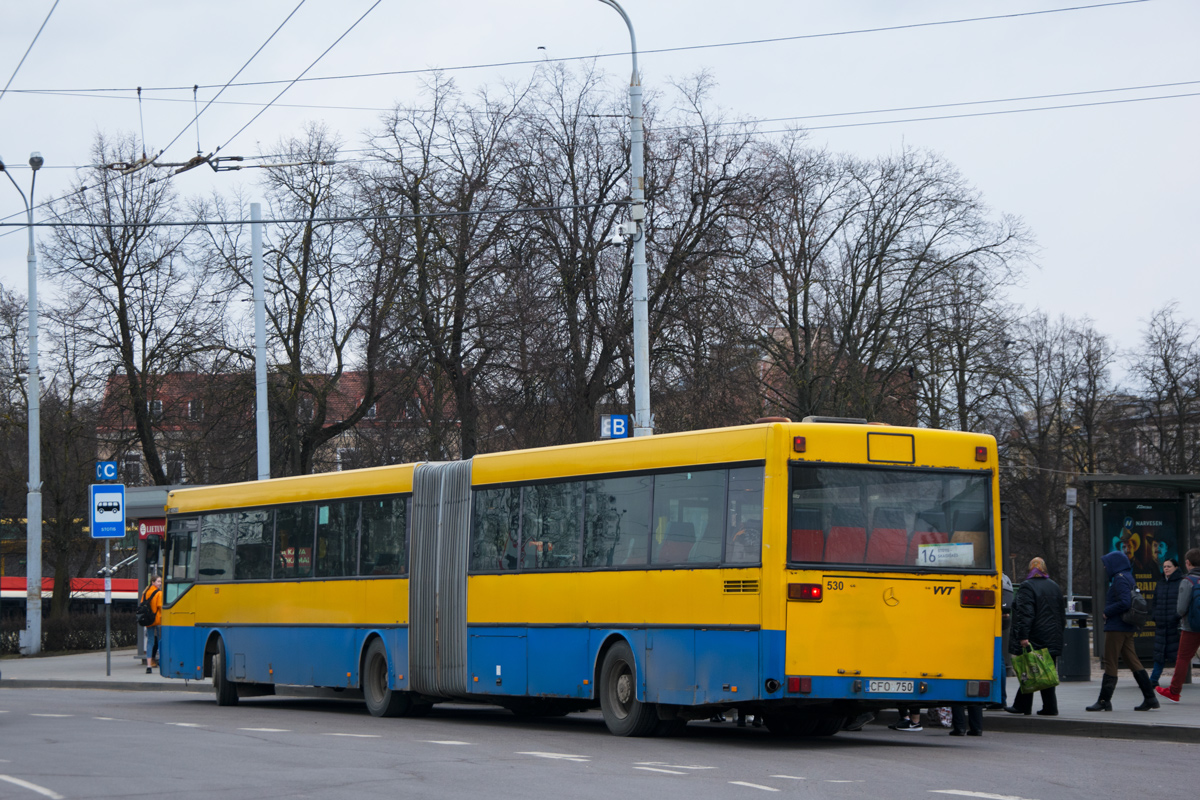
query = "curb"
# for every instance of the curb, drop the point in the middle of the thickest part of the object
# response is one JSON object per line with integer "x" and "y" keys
{"x": 1094, "y": 729}
{"x": 1098, "y": 728}
{"x": 120, "y": 686}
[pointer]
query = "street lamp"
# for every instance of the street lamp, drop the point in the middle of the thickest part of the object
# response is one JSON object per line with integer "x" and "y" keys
{"x": 643, "y": 423}
{"x": 33, "y": 502}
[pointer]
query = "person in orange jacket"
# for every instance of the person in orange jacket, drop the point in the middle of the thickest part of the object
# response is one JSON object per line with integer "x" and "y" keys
{"x": 153, "y": 596}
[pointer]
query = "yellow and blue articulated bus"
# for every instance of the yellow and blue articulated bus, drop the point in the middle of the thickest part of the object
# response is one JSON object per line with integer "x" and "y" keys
{"x": 805, "y": 572}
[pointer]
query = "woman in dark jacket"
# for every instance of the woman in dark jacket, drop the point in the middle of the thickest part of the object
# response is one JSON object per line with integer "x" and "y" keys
{"x": 1038, "y": 619}
{"x": 1118, "y": 635}
{"x": 1166, "y": 621}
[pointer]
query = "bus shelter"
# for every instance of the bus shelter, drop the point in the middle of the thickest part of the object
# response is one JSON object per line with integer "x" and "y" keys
{"x": 1149, "y": 523}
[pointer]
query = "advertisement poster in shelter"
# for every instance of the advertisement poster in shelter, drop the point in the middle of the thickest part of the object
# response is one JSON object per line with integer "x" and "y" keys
{"x": 1147, "y": 531}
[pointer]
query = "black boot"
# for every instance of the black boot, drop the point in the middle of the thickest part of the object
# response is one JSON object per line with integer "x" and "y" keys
{"x": 1049, "y": 703}
{"x": 1107, "y": 685}
{"x": 1150, "y": 702}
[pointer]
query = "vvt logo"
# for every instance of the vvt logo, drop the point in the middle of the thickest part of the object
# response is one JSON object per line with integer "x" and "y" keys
{"x": 943, "y": 589}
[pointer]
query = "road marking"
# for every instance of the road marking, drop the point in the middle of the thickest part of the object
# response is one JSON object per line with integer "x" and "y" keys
{"x": 355, "y": 735}
{"x": 186, "y": 724}
{"x": 827, "y": 780}
{"x": 109, "y": 719}
{"x": 56, "y": 716}
{"x": 442, "y": 741}
{"x": 754, "y": 786}
{"x": 672, "y": 766}
{"x": 559, "y": 756}
{"x": 33, "y": 787}
{"x": 789, "y": 777}
{"x": 660, "y": 769}
{"x": 984, "y": 795}
{"x": 266, "y": 730}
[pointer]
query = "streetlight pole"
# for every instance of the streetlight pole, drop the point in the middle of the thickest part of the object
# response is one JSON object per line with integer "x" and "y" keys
{"x": 33, "y": 502}
{"x": 643, "y": 422}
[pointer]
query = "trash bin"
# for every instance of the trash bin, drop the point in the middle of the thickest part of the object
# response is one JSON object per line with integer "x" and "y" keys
{"x": 1075, "y": 663}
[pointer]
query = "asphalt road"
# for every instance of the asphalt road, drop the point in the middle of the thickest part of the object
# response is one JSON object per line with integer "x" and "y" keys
{"x": 99, "y": 744}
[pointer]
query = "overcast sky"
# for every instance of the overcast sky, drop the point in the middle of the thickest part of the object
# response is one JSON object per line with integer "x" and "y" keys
{"x": 1108, "y": 190}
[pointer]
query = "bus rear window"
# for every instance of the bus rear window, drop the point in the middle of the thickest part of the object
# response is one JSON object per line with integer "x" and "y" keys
{"x": 890, "y": 518}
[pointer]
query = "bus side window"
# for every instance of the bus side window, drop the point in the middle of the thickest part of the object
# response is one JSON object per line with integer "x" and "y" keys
{"x": 743, "y": 528}
{"x": 550, "y": 520}
{"x": 295, "y": 532}
{"x": 337, "y": 537}
{"x": 216, "y": 547}
{"x": 382, "y": 543}
{"x": 253, "y": 545}
{"x": 616, "y": 525}
{"x": 494, "y": 528}
{"x": 688, "y": 516}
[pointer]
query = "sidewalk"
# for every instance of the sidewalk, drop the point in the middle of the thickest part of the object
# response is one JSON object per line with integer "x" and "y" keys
{"x": 1176, "y": 722}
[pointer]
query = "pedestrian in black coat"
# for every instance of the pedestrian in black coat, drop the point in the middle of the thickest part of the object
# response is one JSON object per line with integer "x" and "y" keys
{"x": 1039, "y": 615}
{"x": 1166, "y": 620}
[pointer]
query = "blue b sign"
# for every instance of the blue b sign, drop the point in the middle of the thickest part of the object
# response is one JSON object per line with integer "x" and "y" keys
{"x": 106, "y": 470}
{"x": 107, "y": 510}
{"x": 614, "y": 426}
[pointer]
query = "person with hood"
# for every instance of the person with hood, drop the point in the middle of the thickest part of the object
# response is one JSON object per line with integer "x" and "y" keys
{"x": 1118, "y": 635}
{"x": 1166, "y": 619}
{"x": 1189, "y": 638}
{"x": 1038, "y": 618}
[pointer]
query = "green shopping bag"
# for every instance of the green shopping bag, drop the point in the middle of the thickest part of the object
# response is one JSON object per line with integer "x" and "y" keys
{"x": 1035, "y": 670}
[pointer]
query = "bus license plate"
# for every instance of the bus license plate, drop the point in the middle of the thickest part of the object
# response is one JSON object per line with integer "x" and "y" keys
{"x": 892, "y": 687}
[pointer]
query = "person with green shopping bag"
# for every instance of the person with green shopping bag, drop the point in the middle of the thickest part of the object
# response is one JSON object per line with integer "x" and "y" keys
{"x": 1039, "y": 616}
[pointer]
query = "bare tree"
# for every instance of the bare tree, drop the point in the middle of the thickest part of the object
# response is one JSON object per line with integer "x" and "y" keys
{"x": 138, "y": 303}
{"x": 448, "y": 170}
{"x": 1166, "y": 371}
{"x": 326, "y": 300}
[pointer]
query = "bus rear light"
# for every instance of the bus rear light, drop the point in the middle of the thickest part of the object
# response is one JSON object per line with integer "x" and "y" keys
{"x": 981, "y": 454}
{"x": 979, "y": 598}
{"x": 979, "y": 688}
{"x": 797, "y": 685}
{"x": 798, "y": 444}
{"x": 810, "y": 592}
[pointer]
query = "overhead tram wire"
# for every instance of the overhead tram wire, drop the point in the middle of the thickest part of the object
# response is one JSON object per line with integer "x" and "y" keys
{"x": 27, "y": 50}
{"x": 312, "y": 107}
{"x": 1068, "y": 107}
{"x": 327, "y": 220}
{"x": 623, "y": 54}
{"x": 1086, "y": 92}
{"x": 195, "y": 119}
{"x": 302, "y": 74}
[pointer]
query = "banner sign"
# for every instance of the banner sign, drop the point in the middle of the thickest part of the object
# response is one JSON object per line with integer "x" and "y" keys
{"x": 1147, "y": 531}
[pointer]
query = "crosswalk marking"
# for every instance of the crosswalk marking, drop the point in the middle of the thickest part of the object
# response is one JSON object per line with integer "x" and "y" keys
{"x": 754, "y": 786}
{"x": 557, "y": 756}
{"x": 266, "y": 730}
{"x": 33, "y": 787}
{"x": 660, "y": 769}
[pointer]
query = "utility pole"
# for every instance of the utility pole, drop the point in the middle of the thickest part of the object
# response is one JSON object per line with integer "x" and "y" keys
{"x": 260, "y": 344}
{"x": 643, "y": 420}
{"x": 32, "y": 635}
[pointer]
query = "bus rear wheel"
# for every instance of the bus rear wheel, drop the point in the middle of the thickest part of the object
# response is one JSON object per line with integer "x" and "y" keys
{"x": 382, "y": 701}
{"x": 226, "y": 689}
{"x": 624, "y": 714}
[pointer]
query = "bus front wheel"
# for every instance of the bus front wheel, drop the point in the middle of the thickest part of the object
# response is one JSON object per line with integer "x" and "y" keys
{"x": 624, "y": 714}
{"x": 382, "y": 701}
{"x": 226, "y": 689}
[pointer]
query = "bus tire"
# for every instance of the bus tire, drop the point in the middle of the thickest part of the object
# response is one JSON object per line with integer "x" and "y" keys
{"x": 382, "y": 701}
{"x": 226, "y": 689}
{"x": 829, "y": 725}
{"x": 624, "y": 714}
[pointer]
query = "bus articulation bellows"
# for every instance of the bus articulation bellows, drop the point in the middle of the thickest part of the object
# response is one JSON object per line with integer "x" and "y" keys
{"x": 805, "y": 572}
